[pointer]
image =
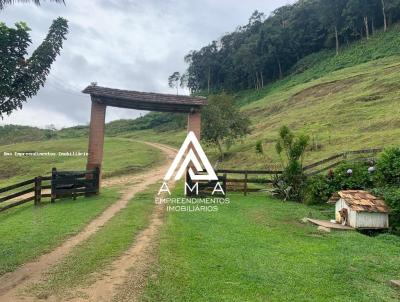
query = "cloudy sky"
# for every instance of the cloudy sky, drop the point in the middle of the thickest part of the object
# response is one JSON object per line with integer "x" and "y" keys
{"x": 128, "y": 44}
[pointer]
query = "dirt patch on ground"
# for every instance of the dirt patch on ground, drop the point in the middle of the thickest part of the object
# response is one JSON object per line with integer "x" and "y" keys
{"x": 392, "y": 69}
{"x": 325, "y": 89}
{"x": 12, "y": 284}
{"x": 127, "y": 278}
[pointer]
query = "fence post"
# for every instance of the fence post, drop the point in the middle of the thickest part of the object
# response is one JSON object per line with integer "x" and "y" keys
{"x": 245, "y": 183}
{"x": 224, "y": 183}
{"x": 38, "y": 190}
{"x": 53, "y": 184}
{"x": 97, "y": 179}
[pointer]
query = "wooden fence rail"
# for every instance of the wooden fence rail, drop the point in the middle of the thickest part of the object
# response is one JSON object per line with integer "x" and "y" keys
{"x": 59, "y": 184}
{"x": 232, "y": 183}
{"x": 335, "y": 160}
{"x": 76, "y": 183}
{"x": 34, "y": 187}
{"x": 310, "y": 170}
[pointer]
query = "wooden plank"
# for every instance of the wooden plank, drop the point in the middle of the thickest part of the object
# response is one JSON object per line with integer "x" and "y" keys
{"x": 17, "y": 194}
{"x": 364, "y": 151}
{"x": 53, "y": 184}
{"x": 245, "y": 184}
{"x": 395, "y": 283}
{"x": 20, "y": 184}
{"x": 38, "y": 190}
{"x": 252, "y": 181}
{"x": 324, "y": 169}
{"x": 248, "y": 171}
{"x": 69, "y": 173}
{"x": 71, "y": 191}
{"x": 241, "y": 190}
{"x": 330, "y": 225}
{"x": 74, "y": 182}
{"x": 17, "y": 203}
{"x": 318, "y": 163}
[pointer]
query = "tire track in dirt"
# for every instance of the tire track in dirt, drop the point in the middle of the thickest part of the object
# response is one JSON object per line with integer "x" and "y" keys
{"x": 13, "y": 283}
{"x": 128, "y": 275}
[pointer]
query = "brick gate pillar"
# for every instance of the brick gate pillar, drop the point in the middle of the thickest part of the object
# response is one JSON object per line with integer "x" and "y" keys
{"x": 96, "y": 135}
{"x": 194, "y": 123}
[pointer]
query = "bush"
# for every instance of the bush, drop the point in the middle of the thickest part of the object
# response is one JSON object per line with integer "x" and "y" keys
{"x": 291, "y": 149}
{"x": 391, "y": 195}
{"x": 360, "y": 179}
{"x": 388, "y": 166}
{"x": 319, "y": 188}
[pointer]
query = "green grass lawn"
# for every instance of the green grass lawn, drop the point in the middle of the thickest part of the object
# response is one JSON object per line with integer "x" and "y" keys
{"x": 95, "y": 254}
{"x": 173, "y": 138}
{"x": 256, "y": 249}
{"x": 121, "y": 156}
{"x": 27, "y": 232}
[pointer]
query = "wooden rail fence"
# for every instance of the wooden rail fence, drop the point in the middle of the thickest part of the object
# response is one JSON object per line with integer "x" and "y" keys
{"x": 241, "y": 184}
{"x": 59, "y": 184}
{"x": 335, "y": 160}
{"x": 76, "y": 183}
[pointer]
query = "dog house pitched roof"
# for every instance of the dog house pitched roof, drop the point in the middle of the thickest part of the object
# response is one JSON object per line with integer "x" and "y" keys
{"x": 360, "y": 201}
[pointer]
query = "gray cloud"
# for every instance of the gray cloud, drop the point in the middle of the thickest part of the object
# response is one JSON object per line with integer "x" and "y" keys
{"x": 129, "y": 44}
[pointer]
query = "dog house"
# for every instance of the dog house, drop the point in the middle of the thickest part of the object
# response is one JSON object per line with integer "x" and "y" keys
{"x": 360, "y": 210}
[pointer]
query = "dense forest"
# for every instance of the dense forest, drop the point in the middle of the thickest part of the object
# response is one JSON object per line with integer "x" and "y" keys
{"x": 267, "y": 47}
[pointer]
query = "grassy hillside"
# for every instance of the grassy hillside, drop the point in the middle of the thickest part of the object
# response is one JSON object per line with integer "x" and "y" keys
{"x": 121, "y": 156}
{"x": 344, "y": 102}
{"x": 14, "y": 134}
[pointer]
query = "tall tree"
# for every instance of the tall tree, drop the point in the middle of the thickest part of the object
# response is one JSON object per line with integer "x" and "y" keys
{"x": 392, "y": 9}
{"x": 21, "y": 77}
{"x": 4, "y": 3}
{"x": 331, "y": 16}
{"x": 265, "y": 48}
{"x": 384, "y": 15}
{"x": 173, "y": 81}
{"x": 222, "y": 122}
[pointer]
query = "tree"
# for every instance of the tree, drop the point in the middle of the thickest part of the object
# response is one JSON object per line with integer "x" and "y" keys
{"x": 291, "y": 149}
{"x": 265, "y": 48}
{"x": 4, "y": 3}
{"x": 222, "y": 122}
{"x": 173, "y": 81}
{"x": 21, "y": 77}
{"x": 331, "y": 17}
{"x": 392, "y": 11}
{"x": 384, "y": 15}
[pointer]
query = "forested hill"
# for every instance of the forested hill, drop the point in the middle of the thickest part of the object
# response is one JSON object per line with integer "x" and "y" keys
{"x": 266, "y": 48}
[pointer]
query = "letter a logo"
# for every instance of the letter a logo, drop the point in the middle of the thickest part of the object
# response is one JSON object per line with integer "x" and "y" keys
{"x": 191, "y": 160}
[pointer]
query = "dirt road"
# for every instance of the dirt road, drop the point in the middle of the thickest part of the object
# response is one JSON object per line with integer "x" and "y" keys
{"x": 12, "y": 284}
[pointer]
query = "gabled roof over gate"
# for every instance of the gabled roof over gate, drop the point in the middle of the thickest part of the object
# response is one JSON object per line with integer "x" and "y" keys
{"x": 144, "y": 100}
